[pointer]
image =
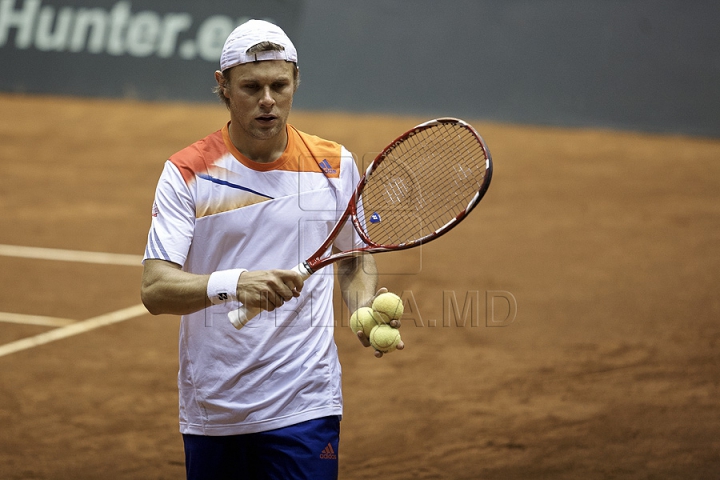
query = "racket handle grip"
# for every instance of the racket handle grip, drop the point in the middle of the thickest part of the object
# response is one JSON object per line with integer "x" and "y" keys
{"x": 240, "y": 316}
{"x": 303, "y": 270}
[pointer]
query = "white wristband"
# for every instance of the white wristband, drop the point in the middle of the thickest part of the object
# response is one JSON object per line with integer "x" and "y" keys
{"x": 222, "y": 286}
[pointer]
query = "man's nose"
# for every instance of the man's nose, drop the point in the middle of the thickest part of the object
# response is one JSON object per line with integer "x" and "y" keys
{"x": 267, "y": 98}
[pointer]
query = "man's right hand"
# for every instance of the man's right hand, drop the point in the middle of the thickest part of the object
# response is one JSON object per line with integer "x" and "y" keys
{"x": 268, "y": 289}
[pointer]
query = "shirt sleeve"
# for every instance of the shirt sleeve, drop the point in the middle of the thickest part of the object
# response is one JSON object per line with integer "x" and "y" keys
{"x": 173, "y": 221}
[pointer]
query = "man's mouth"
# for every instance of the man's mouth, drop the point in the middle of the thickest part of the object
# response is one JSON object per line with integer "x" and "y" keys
{"x": 266, "y": 118}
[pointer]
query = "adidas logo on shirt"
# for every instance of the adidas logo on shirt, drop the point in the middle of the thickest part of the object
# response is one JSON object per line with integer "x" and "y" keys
{"x": 327, "y": 168}
{"x": 328, "y": 453}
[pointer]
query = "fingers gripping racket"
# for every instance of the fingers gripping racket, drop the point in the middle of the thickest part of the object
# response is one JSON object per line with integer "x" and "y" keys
{"x": 418, "y": 188}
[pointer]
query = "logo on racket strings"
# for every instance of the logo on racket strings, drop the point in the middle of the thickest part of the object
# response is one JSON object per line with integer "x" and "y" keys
{"x": 375, "y": 218}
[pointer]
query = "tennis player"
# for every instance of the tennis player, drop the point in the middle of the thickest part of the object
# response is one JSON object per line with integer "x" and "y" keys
{"x": 265, "y": 401}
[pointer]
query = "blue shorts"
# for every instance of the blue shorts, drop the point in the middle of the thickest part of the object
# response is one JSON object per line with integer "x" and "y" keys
{"x": 308, "y": 450}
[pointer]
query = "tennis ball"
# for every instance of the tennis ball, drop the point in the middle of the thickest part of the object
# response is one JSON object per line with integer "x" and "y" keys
{"x": 389, "y": 307}
{"x": 384, "y": 338}
{"x": 363, "y": 319}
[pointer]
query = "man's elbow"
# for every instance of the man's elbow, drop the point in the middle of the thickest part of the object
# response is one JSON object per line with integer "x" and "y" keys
{"x": 150, "y": 300}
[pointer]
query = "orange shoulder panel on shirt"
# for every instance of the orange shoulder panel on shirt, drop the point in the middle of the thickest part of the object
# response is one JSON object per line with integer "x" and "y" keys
{"x": 313, "y": 154}
{"x": 200, "y": 156}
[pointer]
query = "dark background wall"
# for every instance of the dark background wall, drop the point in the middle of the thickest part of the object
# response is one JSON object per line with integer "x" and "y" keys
{"x": 629, "y": 64}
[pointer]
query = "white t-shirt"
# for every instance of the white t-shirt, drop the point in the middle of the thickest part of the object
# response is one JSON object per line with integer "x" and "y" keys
{"x": 216, "y": 210}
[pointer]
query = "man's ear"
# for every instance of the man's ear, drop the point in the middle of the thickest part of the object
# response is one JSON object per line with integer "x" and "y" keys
{"x": 221, "y": 81}
{"x": 297, "y": 79}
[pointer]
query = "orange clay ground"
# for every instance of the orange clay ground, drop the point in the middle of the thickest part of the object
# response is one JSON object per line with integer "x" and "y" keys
{"x": 609, "y": 243}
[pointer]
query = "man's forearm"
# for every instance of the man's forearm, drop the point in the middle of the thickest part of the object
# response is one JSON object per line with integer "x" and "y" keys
{"x": 358, "y": 280}
{"x": 168, "y": 289}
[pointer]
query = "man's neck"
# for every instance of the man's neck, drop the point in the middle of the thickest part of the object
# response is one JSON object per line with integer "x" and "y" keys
{"x": 259, "y": 150}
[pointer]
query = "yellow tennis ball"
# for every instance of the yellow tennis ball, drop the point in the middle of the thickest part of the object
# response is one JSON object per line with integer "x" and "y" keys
{"x": 389, "y": 305}
{"x": 363, "y": 319}
{"x": 384, "y": 338}
{"x": 380, "y": 318}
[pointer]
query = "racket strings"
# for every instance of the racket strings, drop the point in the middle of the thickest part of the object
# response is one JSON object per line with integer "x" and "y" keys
{"x": 423, "y": 184}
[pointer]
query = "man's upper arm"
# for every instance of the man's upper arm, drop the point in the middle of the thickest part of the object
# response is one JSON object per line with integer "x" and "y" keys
{"x": 173, "y": 221}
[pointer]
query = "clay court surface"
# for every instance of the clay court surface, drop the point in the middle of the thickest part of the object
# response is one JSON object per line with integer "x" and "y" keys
{"x": 608, "y": 241}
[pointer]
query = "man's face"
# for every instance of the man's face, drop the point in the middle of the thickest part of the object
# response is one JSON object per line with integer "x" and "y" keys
{"x": 260, "y": 97}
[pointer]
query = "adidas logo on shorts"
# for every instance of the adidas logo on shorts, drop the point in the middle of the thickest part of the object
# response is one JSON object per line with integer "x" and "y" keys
{"x": 328, "y": 453}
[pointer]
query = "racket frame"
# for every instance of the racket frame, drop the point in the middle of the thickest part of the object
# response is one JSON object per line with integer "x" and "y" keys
{"x": 316, "y": 261}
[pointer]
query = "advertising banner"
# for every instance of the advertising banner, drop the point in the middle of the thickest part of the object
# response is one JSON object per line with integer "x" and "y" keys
{"x": 630, "y": 65}
{"x": 157, "y": 49}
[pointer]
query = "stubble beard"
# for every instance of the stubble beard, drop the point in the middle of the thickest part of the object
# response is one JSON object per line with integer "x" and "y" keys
{"x": 256, "y": 131}
{"x": 260, "y": 133}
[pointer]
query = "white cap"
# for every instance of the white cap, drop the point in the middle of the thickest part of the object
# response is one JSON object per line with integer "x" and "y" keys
{"x": 250, "y": 34}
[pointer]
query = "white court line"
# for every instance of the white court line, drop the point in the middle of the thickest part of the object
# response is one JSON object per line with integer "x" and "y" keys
{"x": 74, "y": 329}
{"x": 70, "y": 255}
{"x": 35, "y": 320}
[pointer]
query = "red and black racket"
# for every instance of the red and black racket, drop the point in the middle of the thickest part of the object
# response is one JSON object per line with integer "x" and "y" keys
{"x": 418, "y": 188}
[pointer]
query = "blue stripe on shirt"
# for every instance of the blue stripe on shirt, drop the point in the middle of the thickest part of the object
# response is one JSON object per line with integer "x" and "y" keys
{"x": 231, "y": 185}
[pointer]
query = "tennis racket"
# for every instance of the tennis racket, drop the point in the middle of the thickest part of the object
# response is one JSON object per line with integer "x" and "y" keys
{"x": 418, "y": 188}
